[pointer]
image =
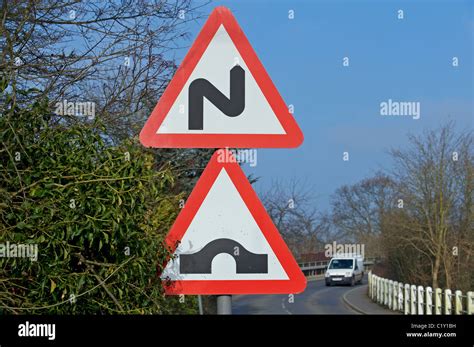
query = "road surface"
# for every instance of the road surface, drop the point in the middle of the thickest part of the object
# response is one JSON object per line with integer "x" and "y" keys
{"x": 316, "y": 299}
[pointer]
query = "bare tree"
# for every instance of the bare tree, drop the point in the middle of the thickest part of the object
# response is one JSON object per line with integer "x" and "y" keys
{"x": 435, "y": 179}
{"x": 117, "y": 54}
{"x": 420, "y": 217}
{"x": 292, "y": 208}
{"x": 358, "y": 211}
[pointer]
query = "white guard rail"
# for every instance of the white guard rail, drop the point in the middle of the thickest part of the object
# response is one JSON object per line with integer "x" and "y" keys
{"x": 412, "y": 299}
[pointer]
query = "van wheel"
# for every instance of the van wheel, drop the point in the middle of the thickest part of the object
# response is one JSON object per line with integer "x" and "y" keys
{"x": 352, "y": 281}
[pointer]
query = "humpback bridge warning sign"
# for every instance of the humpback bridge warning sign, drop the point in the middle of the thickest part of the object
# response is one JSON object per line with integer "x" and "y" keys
{"x": 221, "y": 96}
{"x": 223, "y": 241}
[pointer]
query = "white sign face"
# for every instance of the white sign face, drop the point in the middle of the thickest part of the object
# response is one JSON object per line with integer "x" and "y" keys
{"x": 215, "y": 65}
{"x": 225, "y": 221}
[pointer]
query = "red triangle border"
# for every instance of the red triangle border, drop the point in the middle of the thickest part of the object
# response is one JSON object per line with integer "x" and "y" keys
{"x": 296, "y": 282}
{"x": 293, "y": 136}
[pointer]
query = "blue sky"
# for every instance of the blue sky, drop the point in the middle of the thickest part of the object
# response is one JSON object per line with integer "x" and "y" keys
{"x": 337, "y": 107}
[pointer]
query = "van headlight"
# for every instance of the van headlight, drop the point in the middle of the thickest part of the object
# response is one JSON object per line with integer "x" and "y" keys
{"x": 326, "y": 274}
{"x": 348, "y": 274}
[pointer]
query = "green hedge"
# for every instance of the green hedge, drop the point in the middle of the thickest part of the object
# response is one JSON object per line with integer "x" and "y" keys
{"x": 98, "y": 214}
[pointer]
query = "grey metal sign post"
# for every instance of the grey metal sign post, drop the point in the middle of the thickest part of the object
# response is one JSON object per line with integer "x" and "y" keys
{"x": 224, "y": 304}
{"x": 201, "y": 311}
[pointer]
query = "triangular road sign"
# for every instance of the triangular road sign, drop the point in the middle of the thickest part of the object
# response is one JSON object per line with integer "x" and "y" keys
{"x": 221, "y": 96}
{"x": 224, "y": 242}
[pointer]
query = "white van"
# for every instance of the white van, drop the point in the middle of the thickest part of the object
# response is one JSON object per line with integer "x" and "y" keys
{"x": 345, "y": 269}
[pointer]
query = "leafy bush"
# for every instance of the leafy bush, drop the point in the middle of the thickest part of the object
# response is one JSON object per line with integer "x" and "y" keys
{"x": 98, "y": 213}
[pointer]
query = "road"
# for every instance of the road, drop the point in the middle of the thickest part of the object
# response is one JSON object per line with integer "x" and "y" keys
{"x": 316, "y": 299}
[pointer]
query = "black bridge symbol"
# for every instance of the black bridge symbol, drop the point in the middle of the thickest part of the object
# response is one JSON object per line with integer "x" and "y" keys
{"x": 201, "y": 88}
{"x": 201, "y": 261}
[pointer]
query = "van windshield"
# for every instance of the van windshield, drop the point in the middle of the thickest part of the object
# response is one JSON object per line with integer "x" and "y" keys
{"x": 341, "y": 264}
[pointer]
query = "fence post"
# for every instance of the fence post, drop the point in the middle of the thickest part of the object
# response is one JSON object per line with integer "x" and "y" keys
{"x": 385, "y": 298}
{"x": 374, "y": 292}
{"x": 382, "y": 289}
{"x": 470, "y": 302}
{"x": 447, "y": 302}
{"x": 374, "y": 287}
{"x": 400, "y": 296}
{"x": 438, "y": 301}
{"x": 390, "y": 293}
{"x": 419, "y": 299}
{"x": 379, "y": 289}
{"x": 395, "y": 296}
{"x": 369, "y": 282}
{"x": 457, "y": 302}
{"x": 413, "y": 299}
{"x": 429, "y": 300}
{"x": 407, "y": 299}
{"x": 381, "y": 282}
